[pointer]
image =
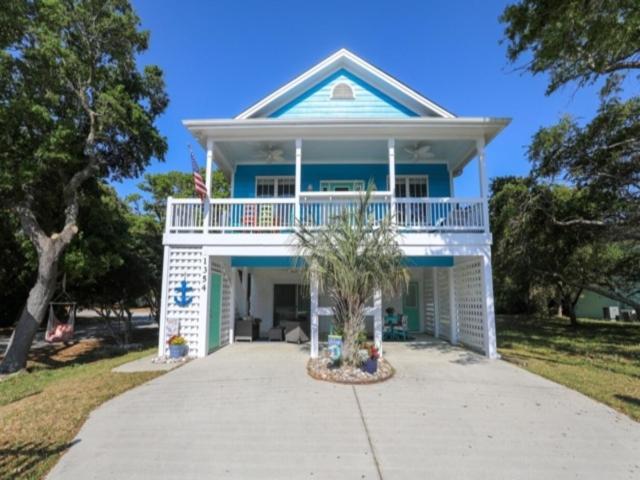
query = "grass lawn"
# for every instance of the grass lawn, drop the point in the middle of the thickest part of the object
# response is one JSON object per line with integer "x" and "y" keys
{"x": 41, "y": 411}
{"x": 598, "y": 358}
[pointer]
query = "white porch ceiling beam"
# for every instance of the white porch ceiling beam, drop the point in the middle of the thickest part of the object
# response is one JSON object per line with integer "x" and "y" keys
{"x": 466, "y": 128}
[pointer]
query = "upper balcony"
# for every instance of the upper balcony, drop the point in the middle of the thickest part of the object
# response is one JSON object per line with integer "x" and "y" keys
{"x": 317, "y": 209}
{"x": 279, "y": 181}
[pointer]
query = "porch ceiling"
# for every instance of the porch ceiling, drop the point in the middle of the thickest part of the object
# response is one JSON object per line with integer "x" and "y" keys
{"x": 452, "y": 140}
{"x": 451, "y": 152}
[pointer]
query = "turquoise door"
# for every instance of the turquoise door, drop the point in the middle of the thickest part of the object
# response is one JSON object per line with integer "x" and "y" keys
{"x": 411, "y": 307}
{"x": 215, "y": 309}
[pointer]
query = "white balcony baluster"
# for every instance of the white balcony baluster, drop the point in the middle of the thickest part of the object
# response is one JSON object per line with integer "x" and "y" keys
{"x": 317, "y": 209}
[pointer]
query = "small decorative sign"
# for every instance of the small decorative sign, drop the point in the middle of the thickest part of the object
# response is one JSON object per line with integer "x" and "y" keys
{"x": 334, "y": 346}
{"x": 183, "y": 300}
{"x": 172, "y": 327}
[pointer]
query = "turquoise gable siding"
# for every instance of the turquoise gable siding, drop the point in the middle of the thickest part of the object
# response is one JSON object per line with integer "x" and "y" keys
{"x": 368, "y": 102}
{"x": 244, "y": 185}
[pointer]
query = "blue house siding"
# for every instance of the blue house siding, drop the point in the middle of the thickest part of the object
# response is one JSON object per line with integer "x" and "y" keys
{"x": 368, "y": 102}
{"x": 244, "y": 180}
{"x": 439, "y": 185}
{"x": 244, "y": 185}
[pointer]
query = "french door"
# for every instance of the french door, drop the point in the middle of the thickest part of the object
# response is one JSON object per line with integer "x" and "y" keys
{"x": 411, "y": 213}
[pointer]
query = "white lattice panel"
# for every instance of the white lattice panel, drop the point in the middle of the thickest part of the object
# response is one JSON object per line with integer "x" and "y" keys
{"x": 444, "y": 304}
{"x": 185, "y": 264}
{"x": 467, "y": 279}
{"x": 428, "y": 295}
{"x": 225, "y": 314}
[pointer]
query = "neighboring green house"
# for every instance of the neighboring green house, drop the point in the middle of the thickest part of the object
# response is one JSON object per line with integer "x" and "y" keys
{"x": 591, "y": 305}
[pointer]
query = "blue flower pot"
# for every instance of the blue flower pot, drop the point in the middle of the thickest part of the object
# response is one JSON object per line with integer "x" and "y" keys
{"x": 178, "y": 351}
{"x": 370, "y": 365}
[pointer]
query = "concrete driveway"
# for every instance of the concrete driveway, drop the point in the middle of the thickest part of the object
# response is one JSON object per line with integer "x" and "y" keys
{"x": 250, "y": 411}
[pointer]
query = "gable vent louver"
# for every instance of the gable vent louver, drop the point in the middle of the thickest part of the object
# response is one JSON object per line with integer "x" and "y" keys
{"x": 342, "y": 91}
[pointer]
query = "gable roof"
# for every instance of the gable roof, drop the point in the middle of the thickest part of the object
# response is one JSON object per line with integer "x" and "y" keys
{"x": 344, "y": 59}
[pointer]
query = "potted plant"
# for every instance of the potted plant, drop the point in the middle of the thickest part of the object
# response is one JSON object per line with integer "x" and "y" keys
{"x": 371, "y": 364}
{"x": 177, "y": 346}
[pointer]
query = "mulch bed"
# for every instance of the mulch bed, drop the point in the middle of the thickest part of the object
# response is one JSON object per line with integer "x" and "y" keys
{"x": 322, "y": 369}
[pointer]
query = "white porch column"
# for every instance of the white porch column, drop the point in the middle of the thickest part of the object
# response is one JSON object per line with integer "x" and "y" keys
{"x": 203, "y": 324}
{"x": 392, "y": 174}
{"x": 207, "y": 204}
{"x": 163, "y": 302}
{"x": 488, "y": 314}
{"x": 452, "y": 309}
{"x": 314, "y": 316}
{"x": 484, "y": 183}
{"x": 377, "y": 320}
{"x": 298, "y": 180}
{"x": 207, "y": 181}
{"x": 436, "y": 311}
{"x": 232, "y": 326}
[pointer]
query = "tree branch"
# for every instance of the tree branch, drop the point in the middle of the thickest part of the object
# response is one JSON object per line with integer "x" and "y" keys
{"x": 578, "y": 221}
{"x": 30, "y": 225}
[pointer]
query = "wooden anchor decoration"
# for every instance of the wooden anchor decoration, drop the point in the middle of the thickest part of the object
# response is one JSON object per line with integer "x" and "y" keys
{"x": 183, "y": 289}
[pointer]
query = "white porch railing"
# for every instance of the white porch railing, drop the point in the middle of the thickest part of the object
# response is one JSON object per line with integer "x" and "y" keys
{"x": 440, "y": 214}
{"x": 230, "y": 215}
{"x": 317, "y": 209}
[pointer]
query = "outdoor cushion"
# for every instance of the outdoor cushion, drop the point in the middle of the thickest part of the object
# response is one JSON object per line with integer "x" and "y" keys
{"x": 297, "y": 335}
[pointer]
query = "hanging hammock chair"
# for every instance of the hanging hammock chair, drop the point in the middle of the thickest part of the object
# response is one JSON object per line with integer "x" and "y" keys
{"x": 61, "y": 330}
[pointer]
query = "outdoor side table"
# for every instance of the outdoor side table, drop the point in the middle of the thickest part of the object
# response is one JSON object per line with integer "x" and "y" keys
{"x": 276, "y": 333}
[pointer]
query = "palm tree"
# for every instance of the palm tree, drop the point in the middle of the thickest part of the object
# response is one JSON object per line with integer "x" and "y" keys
{"x": 352, "y": 257}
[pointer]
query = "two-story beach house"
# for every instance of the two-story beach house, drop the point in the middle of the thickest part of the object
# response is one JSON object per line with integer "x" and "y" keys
{"x": 302, "y": 154}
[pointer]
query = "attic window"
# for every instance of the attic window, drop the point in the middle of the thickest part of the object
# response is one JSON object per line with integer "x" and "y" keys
{"x": 342, "y": 91}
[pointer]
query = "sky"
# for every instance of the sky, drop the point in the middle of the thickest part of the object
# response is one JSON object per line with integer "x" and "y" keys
{"x": 219, "y": 57}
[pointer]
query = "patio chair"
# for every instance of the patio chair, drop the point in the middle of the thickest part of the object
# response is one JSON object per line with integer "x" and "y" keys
{"x": 401, "y": 329}
{"x": 247, "y": 329}
{"x": 249, "y": 216}
{"x": 266, "y": 216}
{"x": 387, "y": 327}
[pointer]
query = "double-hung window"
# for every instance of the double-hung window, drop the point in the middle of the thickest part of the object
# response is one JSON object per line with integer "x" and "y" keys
{"x": 269, "y": 187}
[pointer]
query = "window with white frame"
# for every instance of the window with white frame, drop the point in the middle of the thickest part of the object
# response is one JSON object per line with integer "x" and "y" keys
{"x": 269, "y": 187}
{"x": 412, "y": 186}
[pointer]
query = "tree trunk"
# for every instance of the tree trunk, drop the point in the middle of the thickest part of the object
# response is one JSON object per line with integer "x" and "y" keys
{"x": 128, "y": 327}
{"x": 569, "y": 310}
{"x": 352, "y": 328}
{"x": 34, "y": 311}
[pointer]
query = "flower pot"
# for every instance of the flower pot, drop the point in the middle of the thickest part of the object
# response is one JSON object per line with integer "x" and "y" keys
{"x": 178, "y": 351}
{"x": 370, "y": 366}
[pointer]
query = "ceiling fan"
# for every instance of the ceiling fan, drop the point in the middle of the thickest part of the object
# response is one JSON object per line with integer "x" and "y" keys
{"x": 270, "y": 153}
{"x": 419, "y": 151}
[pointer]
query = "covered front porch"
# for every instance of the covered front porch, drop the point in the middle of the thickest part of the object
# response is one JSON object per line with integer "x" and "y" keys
{"x": 446, "y": 297}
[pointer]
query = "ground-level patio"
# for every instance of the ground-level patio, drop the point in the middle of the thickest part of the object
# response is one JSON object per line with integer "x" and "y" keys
{"x": 250, "y": 411}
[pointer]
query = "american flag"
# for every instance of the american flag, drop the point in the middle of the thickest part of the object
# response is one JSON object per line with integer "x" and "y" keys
{"x": 201, "y": 188}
